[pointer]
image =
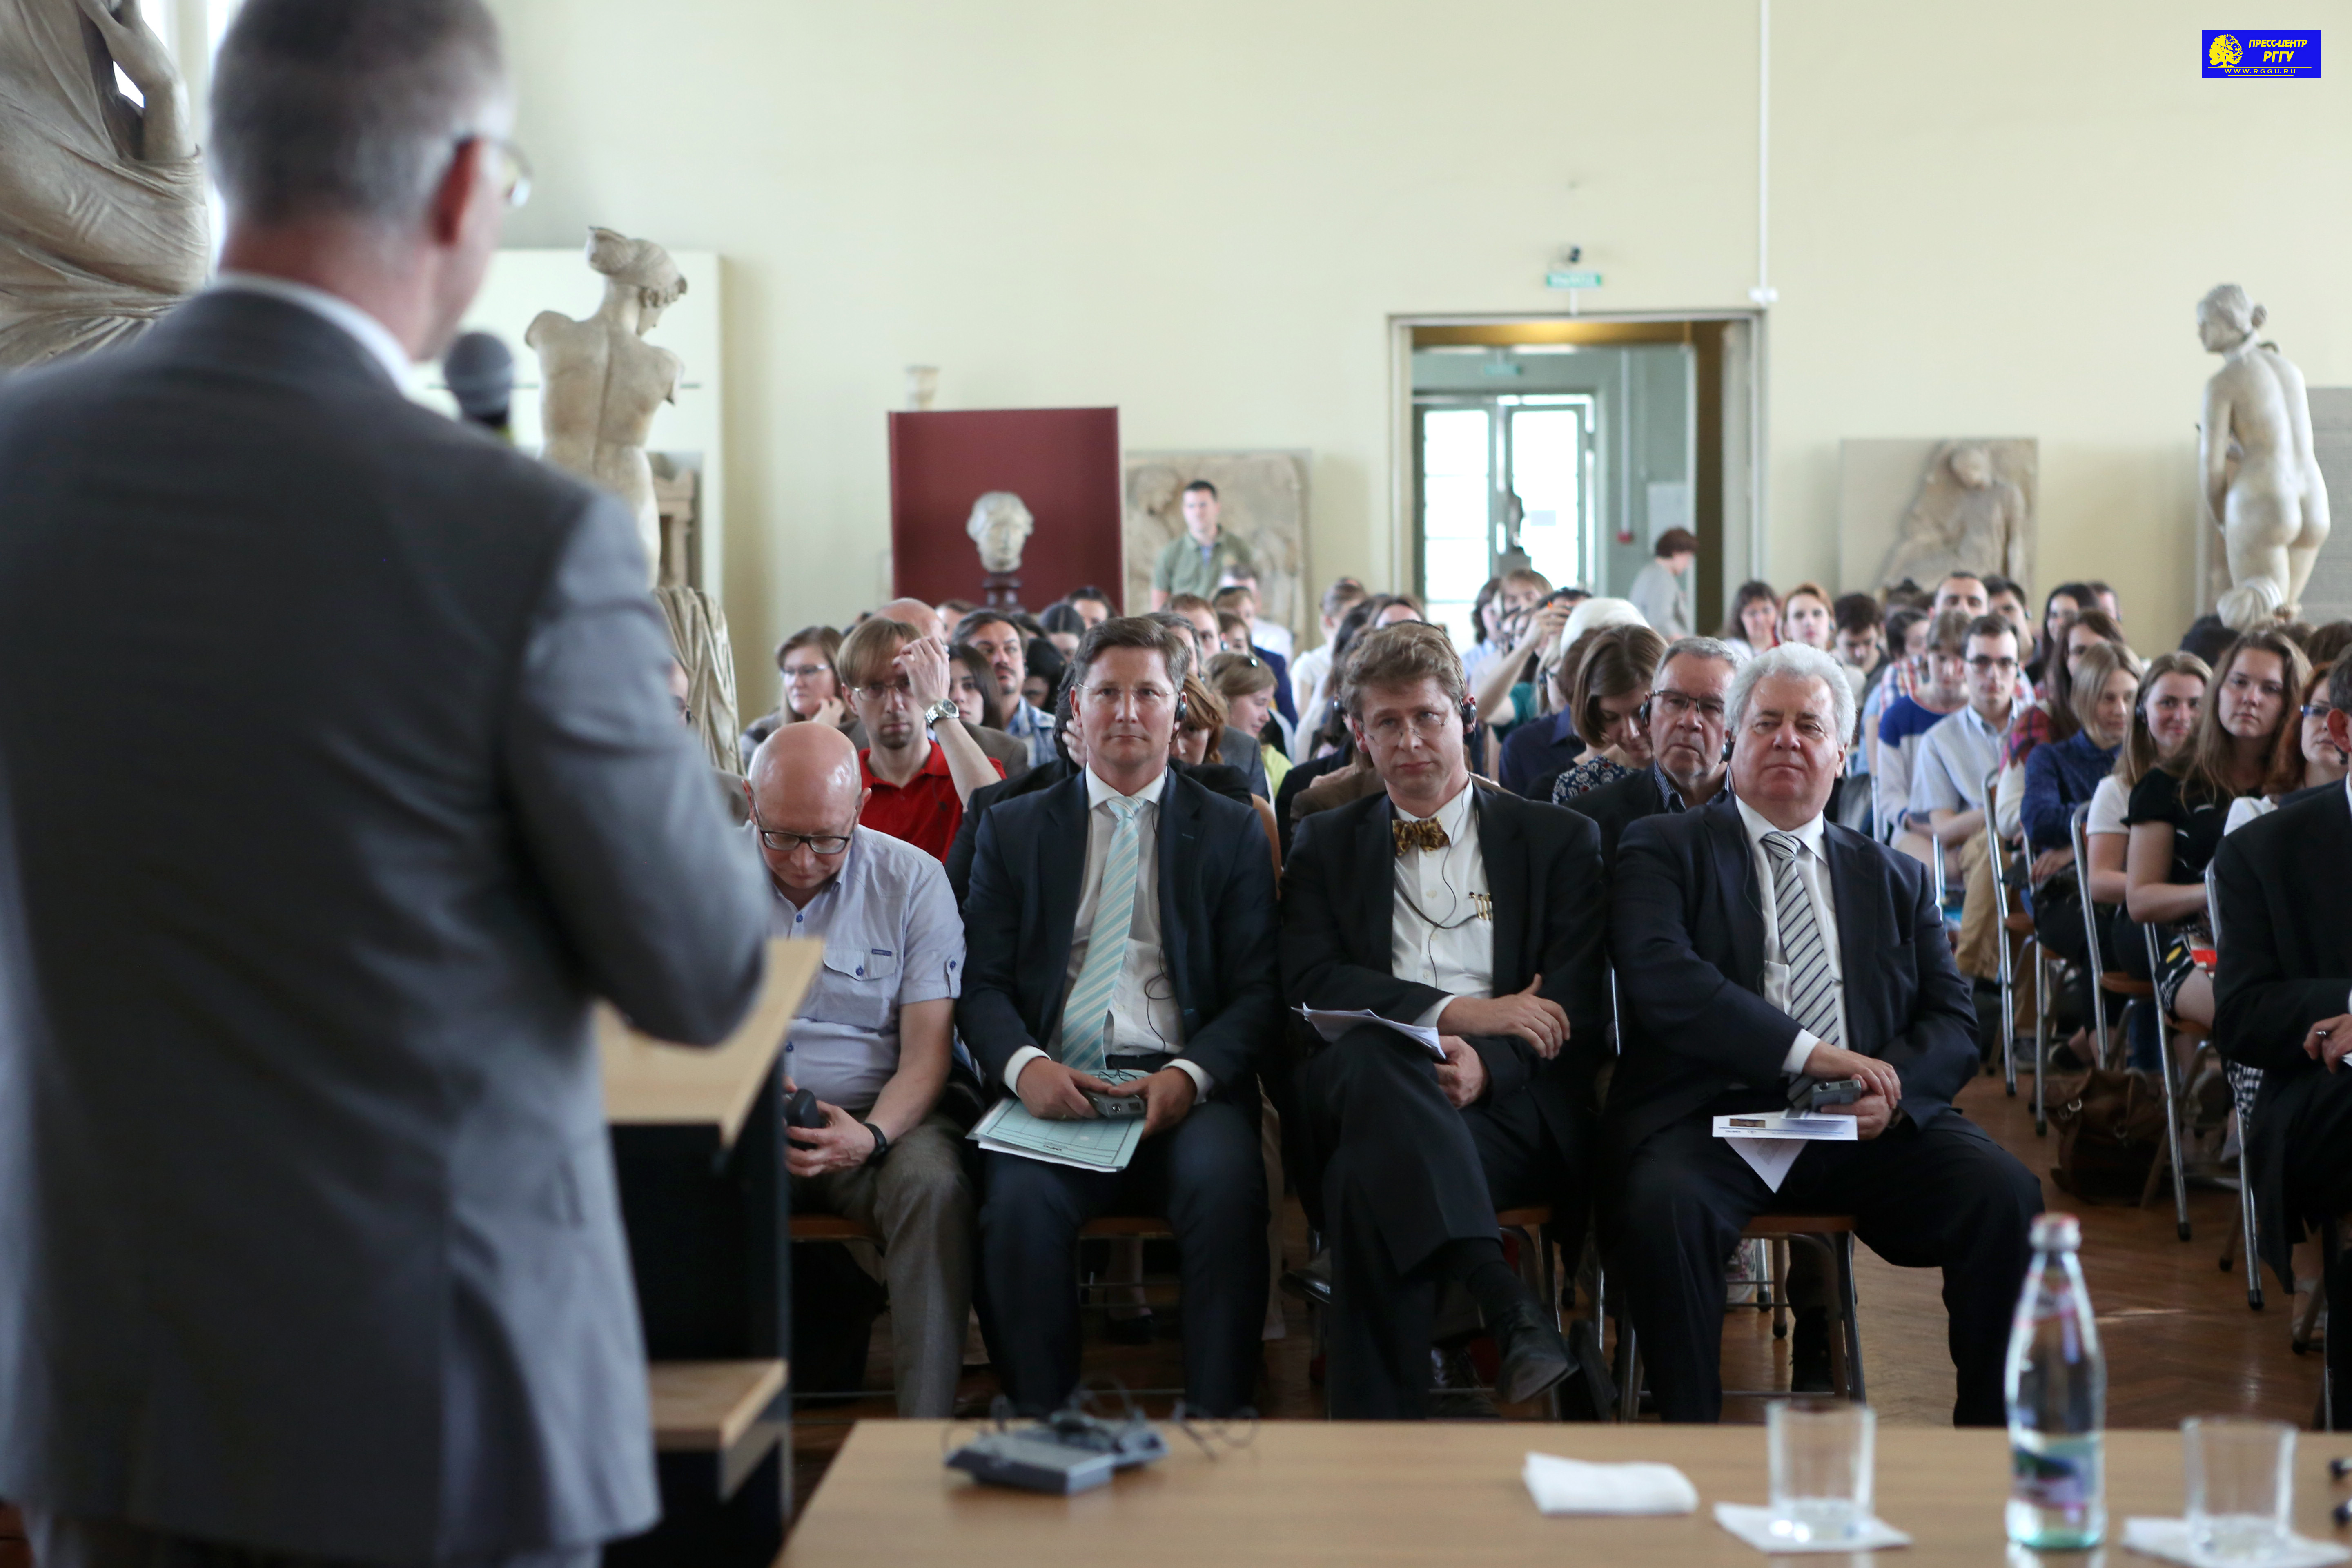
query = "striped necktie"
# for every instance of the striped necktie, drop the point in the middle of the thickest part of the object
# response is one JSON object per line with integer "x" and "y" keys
{"x": 1813, "y": 991}
{"x": 1086, "y": 1016}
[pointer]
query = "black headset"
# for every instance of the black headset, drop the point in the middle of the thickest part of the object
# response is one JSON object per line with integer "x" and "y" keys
{"x": 1469, "y": 719}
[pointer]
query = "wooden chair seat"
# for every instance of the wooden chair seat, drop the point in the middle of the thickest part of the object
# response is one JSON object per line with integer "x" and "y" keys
{"x": 2020, "y": 924}
{"x": 1772, "y": 1226}
{"x": 1529, "y": 1218}
{"x": 830, "y": 1227}
{"x": 2115, "y": 982}
{"x": 707, "y": 1406}
{"x": 2188, "y": 1028}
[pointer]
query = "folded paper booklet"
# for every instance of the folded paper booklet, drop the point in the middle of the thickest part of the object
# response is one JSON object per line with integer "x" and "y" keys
{"x": 1097, "y": 1143}
{"x": 1332, "y": 1022}
{"x": 1770, "y": 1140}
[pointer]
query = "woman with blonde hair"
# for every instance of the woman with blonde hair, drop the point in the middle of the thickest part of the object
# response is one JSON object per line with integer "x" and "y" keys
{"x": 1201, "y": 727}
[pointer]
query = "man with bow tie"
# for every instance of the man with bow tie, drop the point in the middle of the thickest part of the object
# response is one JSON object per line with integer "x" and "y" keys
{"x": 1440, "y": 904}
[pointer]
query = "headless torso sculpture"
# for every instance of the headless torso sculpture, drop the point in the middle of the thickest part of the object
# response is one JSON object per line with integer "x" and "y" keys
{"x": 603, "y": 383}
{"x": 2262, "y": 479}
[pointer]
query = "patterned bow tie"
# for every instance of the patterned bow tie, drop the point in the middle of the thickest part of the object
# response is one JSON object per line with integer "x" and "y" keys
{"x": 1422, "y": 834}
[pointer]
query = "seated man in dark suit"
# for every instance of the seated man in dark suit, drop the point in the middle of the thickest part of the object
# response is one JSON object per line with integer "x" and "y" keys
{"x": 1476, "y": 913}
{"x": 1759, "y": 946}
{"x": 1684, "y": 718}
{"x": 2283, "y": 1002}
{"x": 1124, "y": 919}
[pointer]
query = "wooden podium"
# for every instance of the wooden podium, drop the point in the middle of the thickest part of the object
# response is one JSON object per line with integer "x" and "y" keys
{"x": 698, "y": 1141}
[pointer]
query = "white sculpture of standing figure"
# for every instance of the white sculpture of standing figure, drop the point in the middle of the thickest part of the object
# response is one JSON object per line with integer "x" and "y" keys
{"x": 602, "y": 382}
{"x": 2262, "y": 484}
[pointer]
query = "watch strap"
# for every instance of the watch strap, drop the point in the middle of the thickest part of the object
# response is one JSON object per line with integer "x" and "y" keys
{"x": 881, "y": 1143}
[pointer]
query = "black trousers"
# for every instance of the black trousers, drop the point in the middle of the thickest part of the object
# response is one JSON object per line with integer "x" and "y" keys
{"x": 1207, "y": 1177}
{"x": 1407, "y": 1173}
{"x": 1944, "y": 1195}
{"x": 2316, "y": 1171}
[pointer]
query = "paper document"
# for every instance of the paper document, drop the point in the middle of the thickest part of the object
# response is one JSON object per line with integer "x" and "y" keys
{"x": 1098, "y": 1143}
{"x": 1770, "y": 1140}
{"x": 1332, "y": 1022}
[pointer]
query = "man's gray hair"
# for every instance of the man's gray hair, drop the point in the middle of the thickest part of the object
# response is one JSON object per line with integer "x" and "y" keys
{"x": 1806, "y": 664}
{"x": 1694, "y": 647}
{"x": 350, "y": 109}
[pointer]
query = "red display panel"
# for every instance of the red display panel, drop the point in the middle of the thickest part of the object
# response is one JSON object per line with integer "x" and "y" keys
{"x": 1062, "y": 462}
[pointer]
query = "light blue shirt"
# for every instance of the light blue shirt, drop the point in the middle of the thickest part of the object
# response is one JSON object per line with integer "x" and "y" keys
{"x": 892, "y": 936}
{"x": 1949, "y": 774}
{"x": 1036, "y": 726}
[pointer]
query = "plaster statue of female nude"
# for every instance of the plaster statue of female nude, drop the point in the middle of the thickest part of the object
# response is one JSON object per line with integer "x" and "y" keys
{"x": 602, "y": 382}
{"x": 2262, "y": 479}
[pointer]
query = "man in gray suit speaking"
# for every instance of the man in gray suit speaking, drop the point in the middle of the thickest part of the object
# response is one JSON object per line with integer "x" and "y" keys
{"x": 312, "y": 1247}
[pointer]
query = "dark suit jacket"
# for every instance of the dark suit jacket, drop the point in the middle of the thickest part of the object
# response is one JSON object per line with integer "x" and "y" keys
{"x": 318, "y": 1249}
{"x": 1613, "y": 806}
{"x": 1687, "y": 930}
{"x": 2284, "y": 882}
{"x": 1219, "y": 778}
{"x": 1543, "y": 871}
{"x": 1216, "y": 928}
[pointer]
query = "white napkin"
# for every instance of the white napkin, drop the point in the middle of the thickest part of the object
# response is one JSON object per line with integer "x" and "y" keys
{"x": 1573, "y": 1486}
{"x": 1754, "y": 1526}
{"x": 2168, "y": 1539}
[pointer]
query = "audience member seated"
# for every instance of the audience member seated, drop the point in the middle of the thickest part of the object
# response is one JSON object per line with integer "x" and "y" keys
{"x": 2306, "y": 761}
{"x": 1759, "y": 948}
{"x": 1310, "y": 670}
{"x": 1807, "y": 619}
{"x": 1535, "y": 752}
{"x": 872, "y": 1043}
{"x": 1193, "y": 649}
{"x": 1684, "y": 721}
{"x": 2006, "y": 599}
{"x": 812, "y": 690}
{"x": 924, "y": 618}
{"x": 1754, "y": 624}
{"x": 972, "y": 686}
{"x": 2049, "y": 717}
{"x": 1605, "y": 699}
{"x": 1961, "y": 750}
{"x": 1248, "y": 685}
{"x": 1499, "y": 615}
{"x": 2066, "y": 599}
{"x": 1063, "y": 626}
{"x": 1332, "y": 749}
{"x": 1270, "y": 642}
{"x": 1001, "y": 642}
{"x": 2329, "y": 643}
{"x": 919, "y": 766}
{"x": 1939, "y": 688}
{"x": 2178, "y": 808}
{"x": 1506, "y": 688}
{"x": 1860, "y": 647}
{"x": 1197, "y": 559}
{"x": 1153, "y": 951}
{"x": 1200, "y": 724}
{"x": 2283, "y": 998}
{"x": 1443, "y": 905}
{"x": 1093, "y": 606}
{"x": 1662, "y": 589}
{"x": 1044, "y": 669}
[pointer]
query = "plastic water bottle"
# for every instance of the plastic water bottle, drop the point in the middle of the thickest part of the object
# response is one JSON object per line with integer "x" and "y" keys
{"x": 2057, "y": 1390}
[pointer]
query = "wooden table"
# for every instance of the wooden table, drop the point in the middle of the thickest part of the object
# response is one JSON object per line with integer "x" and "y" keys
{"x": 1315, "y": 1493}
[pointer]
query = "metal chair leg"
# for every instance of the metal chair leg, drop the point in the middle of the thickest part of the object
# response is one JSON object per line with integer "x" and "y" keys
{"x": 1850, "y": 1308}
{"x": 2172, "y": 1136}
{"x": 2041, "y": 1041}
{"x": 2246, "y": 1226}
{"x": 2008, "y": 992}
{"x": 1779, "y": 1252}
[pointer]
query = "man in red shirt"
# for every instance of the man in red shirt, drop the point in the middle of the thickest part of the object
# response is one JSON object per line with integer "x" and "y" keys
{"x": 920, "y": 776}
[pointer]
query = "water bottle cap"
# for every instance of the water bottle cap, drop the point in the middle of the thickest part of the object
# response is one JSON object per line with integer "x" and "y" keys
{"x": 2057, "y": 1233}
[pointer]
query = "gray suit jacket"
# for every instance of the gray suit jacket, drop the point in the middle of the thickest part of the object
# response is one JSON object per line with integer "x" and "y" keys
{"x": 306, "y": 1198}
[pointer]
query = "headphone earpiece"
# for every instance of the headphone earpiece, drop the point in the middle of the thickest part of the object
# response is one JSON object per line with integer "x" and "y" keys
{"x": 1184, "y": 709}
{"x": 1469, "y": 720}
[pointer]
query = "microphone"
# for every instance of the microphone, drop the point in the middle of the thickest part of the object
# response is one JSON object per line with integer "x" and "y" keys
{"x": 480, "y": 371}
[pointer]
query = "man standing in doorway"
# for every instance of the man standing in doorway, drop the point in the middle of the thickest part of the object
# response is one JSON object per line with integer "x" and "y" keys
{"x": 1201, "y": 558}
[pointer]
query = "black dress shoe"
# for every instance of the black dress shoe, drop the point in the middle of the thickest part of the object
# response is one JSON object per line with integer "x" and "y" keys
{"x": 1453, "y": 1387}
{"x": 1139, "y": 1330}
{"x": 1534, "y": 1355}
{"x": 1312, "y": 1282}
{"x": 1809, "y": 1352}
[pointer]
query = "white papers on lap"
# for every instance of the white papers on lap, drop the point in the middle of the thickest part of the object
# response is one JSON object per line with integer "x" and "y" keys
{"x": 1770, "y": 1140}
{"x": 1100, "y": 1143}
{"x": 1332, "y": 1022}
{"x": 1576, "y": 1486}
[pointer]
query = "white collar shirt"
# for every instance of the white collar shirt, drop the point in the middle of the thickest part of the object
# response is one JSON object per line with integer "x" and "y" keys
{"x": 371, "y": 335}
{"x": 1145, "y": 1019}
{"x": 1813, "y": 869}
{"x": 1442, "y": 929}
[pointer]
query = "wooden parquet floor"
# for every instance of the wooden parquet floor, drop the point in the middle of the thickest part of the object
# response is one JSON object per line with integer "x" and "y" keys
{"x": 2178, "y": 1336}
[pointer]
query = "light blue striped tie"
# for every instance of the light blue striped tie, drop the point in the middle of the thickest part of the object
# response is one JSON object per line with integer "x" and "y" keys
{"x": 1085, "y": 1017}
{"x": 1813, "y": 992}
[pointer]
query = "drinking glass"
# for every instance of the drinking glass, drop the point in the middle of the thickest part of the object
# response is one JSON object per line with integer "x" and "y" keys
{"x": 1821, "y": 1454}
{"x": 2241, "y": 1485}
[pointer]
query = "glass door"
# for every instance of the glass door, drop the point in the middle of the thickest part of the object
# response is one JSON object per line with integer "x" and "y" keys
{"x": 1505, "y": 483}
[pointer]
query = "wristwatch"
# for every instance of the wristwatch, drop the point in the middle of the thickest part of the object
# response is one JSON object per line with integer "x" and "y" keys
{"x": 944, "y": 709}
{"x": 881, "y": 1143}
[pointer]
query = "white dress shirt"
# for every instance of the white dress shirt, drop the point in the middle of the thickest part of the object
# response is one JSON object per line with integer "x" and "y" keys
{"x": 1443, "y": 931}
{"x": 1812, "y": 869}
{"x": 1144, "y": 1017}
{"x": 372, "y": 334}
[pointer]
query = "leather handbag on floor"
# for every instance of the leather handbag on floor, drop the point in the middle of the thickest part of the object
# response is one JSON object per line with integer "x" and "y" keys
{"x": 2110, "y": 1127}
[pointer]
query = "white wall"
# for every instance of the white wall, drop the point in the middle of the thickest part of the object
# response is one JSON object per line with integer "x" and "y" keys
{"x": 1989, "y": 218}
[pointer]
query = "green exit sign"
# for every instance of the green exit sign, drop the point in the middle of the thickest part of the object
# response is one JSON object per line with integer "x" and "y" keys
{"x": 1571, "y": 279}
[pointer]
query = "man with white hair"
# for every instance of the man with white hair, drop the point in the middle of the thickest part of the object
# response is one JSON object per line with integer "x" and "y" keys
{"x": 1761, "y": 950}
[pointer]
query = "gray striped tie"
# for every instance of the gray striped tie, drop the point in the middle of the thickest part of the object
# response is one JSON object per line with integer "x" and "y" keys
{"x": 1085, "y": 1017}
{"x": 1813, "y": 991}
